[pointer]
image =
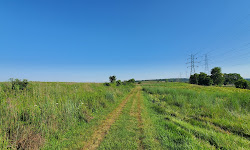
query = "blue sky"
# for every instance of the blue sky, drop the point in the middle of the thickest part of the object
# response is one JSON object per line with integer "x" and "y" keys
{"x": 87, "y": 41}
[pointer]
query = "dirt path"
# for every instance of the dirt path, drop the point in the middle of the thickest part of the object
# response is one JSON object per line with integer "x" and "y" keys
{"x": 102, "y": 130}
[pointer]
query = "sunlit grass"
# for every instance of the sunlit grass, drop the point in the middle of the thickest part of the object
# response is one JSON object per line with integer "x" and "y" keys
{"x": 54, "y": 115}
{"x": 215, "y": 115}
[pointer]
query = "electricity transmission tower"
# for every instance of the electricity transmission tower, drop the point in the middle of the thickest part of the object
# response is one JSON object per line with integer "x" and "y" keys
{"x": 192, "y": 63}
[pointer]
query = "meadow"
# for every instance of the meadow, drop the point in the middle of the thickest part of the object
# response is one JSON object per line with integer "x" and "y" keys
{"x": 54, "y": 115}
{"x": 199, "y": 117}
{"x": 150, "y": 115}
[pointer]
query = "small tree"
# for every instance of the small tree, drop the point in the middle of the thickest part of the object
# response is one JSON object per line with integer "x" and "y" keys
{"x": 217, "y": 76}
{"x": 112, "y": 79}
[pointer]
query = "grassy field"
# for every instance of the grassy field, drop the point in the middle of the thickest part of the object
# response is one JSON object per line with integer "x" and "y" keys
{"x": 198, "y": 117}
{"x": 152, "y": 115}
{"x": 54, "y": 115}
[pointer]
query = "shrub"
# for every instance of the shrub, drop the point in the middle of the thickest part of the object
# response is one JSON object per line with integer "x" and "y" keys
{"x": 18, "y": 84}
{"x": 194, "y": 79}
{"x": 107, "y": 84}
{"x": 231, "y": 78}
{"x": 241, "y": 83}
{"x": 118, "y": 83}
{"x": 131, "y": 80}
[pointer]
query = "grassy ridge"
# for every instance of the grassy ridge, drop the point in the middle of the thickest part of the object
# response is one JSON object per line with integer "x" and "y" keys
{"x": 53, "y": 115}
{"x": 214, "y": 116}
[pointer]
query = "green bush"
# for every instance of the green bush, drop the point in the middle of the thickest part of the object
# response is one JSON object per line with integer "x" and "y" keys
{"x": 194, "y": 79}
{"x": 131, "y": 80}
{"x": 241, "y": 83}
{"x": 107, "y": 84}
{"x": 18, "y": 84}
{"x": 118, "y": 83}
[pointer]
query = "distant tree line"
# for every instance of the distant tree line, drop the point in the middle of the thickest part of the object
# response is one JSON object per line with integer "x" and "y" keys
{"x": 113, "y": 81}
{"x": 218, "y": 78}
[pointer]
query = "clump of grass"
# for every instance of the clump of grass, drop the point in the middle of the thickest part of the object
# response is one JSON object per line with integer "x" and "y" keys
{"x": 109, "y": 96}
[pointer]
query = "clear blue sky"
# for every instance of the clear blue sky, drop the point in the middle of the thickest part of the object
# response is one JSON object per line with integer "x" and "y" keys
{"x": 90, "y": 40}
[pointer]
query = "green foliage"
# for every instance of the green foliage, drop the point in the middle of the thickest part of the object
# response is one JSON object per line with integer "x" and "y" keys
{"x": 204, "y": 79}
{"x": 231, "y": 78}
{"x": 128, "y": 83}
{"x": 131, "y": 80}
{"x": 18, "y": 84}
{"x": 194, "y": 79}
{"x": 118, "y": 83}
{"x": 112, "y": 79}
{"x": 200, "y": 79}
{"x": 241, "y": 83}
{"x": 217, "y": 76}
{"x": 106, "y": 84}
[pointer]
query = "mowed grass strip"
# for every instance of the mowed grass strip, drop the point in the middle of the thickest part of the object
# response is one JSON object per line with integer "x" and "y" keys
{"x": 103, "y": 129}
{"x": 124, "y": 133}
{"x": 150, "y": 136}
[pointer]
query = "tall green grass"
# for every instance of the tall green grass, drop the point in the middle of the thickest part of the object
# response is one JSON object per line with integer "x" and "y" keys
{"x": 205, "y": 112}
{"x": 51, "y": 115}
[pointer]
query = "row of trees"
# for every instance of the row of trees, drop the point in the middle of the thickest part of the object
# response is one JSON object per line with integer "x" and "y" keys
{"x": 113, "y": 81}
{"x": 218, "y": 78}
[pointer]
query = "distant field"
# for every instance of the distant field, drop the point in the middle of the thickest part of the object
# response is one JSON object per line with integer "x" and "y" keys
{"x": 150, "y": 115}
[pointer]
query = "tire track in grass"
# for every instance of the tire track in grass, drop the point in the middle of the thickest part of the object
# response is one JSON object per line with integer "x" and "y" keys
{"x": 135, "y": 111}
{"x": 139, "y": 118}
{"x": 151, "y": 140}
{"x": 132, "y": 109}
{"x": 102, "y": 130}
